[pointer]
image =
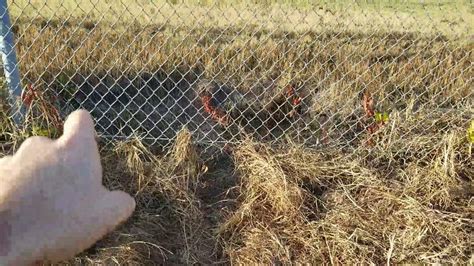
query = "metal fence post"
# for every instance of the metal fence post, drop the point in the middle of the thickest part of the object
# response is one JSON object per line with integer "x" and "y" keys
{"x": 10, "y": 65}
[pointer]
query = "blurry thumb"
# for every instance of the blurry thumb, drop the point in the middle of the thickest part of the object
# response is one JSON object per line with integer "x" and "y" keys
{"x": 79, "y": 127}
{"x": 114, "y": 208}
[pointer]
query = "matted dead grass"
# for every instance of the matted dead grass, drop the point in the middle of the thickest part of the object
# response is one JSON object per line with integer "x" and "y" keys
{"x": 292, "y": 205}
{"x": 298, "y": 206}
{"x": 405, "y": 199}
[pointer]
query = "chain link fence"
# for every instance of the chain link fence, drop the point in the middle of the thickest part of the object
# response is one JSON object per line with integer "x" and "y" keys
{"x": 340, "y": 74}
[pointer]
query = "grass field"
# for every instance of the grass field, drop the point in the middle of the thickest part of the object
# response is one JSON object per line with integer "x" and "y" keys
{"x": 407, "y": 198}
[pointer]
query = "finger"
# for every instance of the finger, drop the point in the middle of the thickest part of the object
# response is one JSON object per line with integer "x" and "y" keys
{"x": 109, "y": 212}
{"x": 78, "y": 129}
{"x": 113, "y": 209}
{"x": 104, "y": 216}
{"x": 117, "y": 206}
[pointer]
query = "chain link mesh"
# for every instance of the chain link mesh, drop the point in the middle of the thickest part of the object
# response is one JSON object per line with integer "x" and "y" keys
{"x": 340, "y": 74}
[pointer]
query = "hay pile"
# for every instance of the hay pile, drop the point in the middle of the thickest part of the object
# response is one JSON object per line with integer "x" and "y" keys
{"x": 408, "y": 198}
{"x": 405, "y": 199}
{"x": 389, "y": 203}
{"x": 304, "y": 207}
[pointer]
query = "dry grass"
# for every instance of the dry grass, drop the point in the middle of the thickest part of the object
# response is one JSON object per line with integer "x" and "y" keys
{"x": 169, "y": 224}
{"x": 405, "y": 199}
{"x": 390, "y": 203}
{"x": 399, "y": 201}
{"x": 294, "y": 205}
{"x": 446, "y": 17}
{"x": 326, "y": 207}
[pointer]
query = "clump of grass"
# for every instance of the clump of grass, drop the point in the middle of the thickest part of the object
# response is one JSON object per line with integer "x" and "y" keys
{"x": 40, "y": 117}
{"x": 276, "y": 221}
{"x": 300, "y": 206}
{"x": 418, "y": 213}
{"x": 167, "y": 223}
{"x": 185, "y": 157}
{"x": 413, "y": 138}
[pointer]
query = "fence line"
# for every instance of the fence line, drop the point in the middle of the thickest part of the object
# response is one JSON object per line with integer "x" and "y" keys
{"x": 322, "y": 74}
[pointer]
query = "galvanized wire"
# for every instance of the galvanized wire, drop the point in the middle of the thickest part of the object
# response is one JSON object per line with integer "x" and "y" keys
{"x": 226, "y": 96}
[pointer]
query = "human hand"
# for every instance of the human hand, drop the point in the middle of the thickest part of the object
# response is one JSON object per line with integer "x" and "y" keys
{"x": 52, "y": 201}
